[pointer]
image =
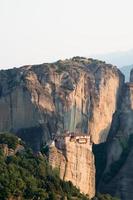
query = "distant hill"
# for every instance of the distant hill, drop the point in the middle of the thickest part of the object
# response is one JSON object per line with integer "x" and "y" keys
{"x": 120, "y": 58}
{"x": 126, "y": 71}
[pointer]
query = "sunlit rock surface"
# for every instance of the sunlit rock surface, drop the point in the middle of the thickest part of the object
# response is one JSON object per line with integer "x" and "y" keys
{"x": 73, "y": 156}
{"x": 39, "y": 101}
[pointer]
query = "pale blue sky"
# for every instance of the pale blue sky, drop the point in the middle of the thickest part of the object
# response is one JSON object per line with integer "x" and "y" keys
{"x": 37, "y": 31}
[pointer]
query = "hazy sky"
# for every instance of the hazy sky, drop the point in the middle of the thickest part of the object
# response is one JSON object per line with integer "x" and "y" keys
{"x": 37, "y": 31}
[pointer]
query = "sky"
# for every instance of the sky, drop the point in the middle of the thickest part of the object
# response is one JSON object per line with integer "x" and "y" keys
{"x": 38, "y": 31}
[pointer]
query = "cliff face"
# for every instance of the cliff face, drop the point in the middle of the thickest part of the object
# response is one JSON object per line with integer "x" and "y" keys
{"x": 118, "y": 175}
{"x": 37, "y": 102}
{"x": 75, "y": 162}
{"x": 78, "y": 95}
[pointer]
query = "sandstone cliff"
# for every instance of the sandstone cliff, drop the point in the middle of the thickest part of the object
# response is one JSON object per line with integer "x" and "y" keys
{"x": 75, "y": 162}
{"x": 78, "y": 94}
{"x": 118, "y": 175}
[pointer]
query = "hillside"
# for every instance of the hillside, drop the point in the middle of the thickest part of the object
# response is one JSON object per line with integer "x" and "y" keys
{"x": 26, "y": 176}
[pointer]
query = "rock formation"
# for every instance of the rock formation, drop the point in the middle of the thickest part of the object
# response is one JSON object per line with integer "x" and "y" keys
{"x": 78, "y": 95}
{"x": 118, "y": 175}
{"x": 72, "y": 155}
{"x": 37, "y": 102}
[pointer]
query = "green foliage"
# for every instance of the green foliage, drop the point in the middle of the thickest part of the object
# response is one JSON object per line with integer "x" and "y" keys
{"x": 30, "y": 177}
{"x": 9, "y": 139}
{"x": 106, "y": 197}
{"x": 61, "y": 67}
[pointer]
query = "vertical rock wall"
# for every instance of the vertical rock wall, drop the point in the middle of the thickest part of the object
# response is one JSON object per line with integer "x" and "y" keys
{"x": 118, "y": 175}
{"x": 77, "y": 95}
{"x": 75, "y": 162}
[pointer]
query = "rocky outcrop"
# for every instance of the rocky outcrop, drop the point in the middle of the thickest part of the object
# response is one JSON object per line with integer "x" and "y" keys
{"x": 9, "y": 151}
{"x": 118, "y": 175}
{"x": 37, "y": 102}
{"x": 75, "y": 162}
{"x": 79, "y": 95}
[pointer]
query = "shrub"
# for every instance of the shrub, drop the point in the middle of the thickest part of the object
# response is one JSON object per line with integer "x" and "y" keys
{"x": 9, "y": 139}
